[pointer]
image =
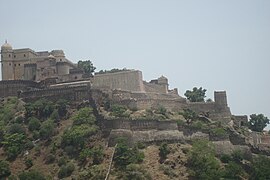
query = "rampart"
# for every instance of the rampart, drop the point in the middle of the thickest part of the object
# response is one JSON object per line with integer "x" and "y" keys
{"x": 70, "y": 93}
{"x": 13, "y": 87}
{"x": 130, "y": 80}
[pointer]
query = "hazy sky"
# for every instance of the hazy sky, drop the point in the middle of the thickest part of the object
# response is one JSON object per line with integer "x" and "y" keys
{"x": 216, "y": 44}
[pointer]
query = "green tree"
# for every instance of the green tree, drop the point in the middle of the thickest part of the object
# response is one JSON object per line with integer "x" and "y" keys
{"x": 32, "y": 174}
{"x": 33, "y": 124}
{"x": 125, "y": 155}
{"x": 234, "y": 171}
{"x": 46, "y": 130}
{"x": 163, "y": 151}
{"x": 260, "y": 168}
{"x": 258, "y": 122}
{"x": 87, "y": 66}
{"x": 202, "y": 161}
{"x": 119, "y": 110}
{"x": 4, "y": 169}
{"x": 84, "y": 116}
{"x": 135, "y": 172}
{"x": 196, "y": 95}
{"x": 13, "y": 144}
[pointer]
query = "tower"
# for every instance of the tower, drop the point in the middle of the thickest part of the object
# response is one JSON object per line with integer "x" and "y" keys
{"x": 6, "y": 62}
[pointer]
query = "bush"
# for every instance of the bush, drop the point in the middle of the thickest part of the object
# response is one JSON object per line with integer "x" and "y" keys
{"x": 84, "y": 116}
{"x": 28, "y": 163}
{"x": 4, "y": 169}
{"x": 237, "y": 156}
{"x": 260, "y": 168}
{"x": 234, "y": 171}
{"x": 93, "y": 173}
{"x": 124, "y": 155}
{"x": 134, "y": 171}
{"x": 66, "y": 170}
{"x": 225, "y": 158}
{"x": 46, "y": 130}
{"x": 119, "y": 110}
{"x": 32, "y": 175}
{"x": 13, "y": 145}
{"x": 163, "y": 151}
{"x": 62, "y": 161}
{"x": 202, "y": 162}
{"x": 161, "y": 110}
{"x": 33, "y": 124}
{"x": 49, "y": 158}
{"x": 16, "y": 128}
{"x": 77, "y": 134}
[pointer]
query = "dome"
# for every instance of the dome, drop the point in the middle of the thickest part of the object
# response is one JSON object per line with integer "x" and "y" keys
{"x": 6, "y": 46}
{"x": 51, "y": 57}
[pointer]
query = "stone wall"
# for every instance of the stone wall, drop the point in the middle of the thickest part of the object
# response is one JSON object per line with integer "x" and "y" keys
{"x": 12, "y": 87}
{"x": 140, "y": 124}
{"x": 70, "y": 93}
{"x": 126, "y": 80}
{"x": 240, "y": 120}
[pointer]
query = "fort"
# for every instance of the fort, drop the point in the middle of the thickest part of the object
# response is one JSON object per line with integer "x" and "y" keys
{"x": 31, "y": 75}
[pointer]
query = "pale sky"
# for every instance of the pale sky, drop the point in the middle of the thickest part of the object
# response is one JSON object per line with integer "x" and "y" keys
{"x": 216, "y": 44}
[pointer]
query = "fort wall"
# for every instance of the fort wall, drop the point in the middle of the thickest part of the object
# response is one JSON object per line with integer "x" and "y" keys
{"x": 126, "y": 80}
{"x": 12, "y": 87}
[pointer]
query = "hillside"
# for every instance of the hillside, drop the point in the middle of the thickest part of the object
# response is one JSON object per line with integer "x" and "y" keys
{"x": 46, "y": 139}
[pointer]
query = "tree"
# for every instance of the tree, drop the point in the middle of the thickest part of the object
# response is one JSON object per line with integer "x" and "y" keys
{"x": 4, "y": 169}
{"x": 32, "y": 174}
{"x": 260, "y": 168}
{"x": 34, "y": 124}
{"x": 163, "y": 151}
{"x": 258, "y": 122}
{"x": 196, "y": 95}
{"x": 87, "y": 66}
{"x": 202, "y": 162}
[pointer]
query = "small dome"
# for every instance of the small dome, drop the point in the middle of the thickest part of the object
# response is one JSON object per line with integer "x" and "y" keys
{"x": 6, "y": 46}
{"x": 162, "y": 77}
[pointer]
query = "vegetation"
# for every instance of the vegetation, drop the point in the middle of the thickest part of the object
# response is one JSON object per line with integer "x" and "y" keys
{"x": 119, "y": 111}
{"x": 196, "y": 95}
{"x": 125, "y": 155}
{"x": 112, "y": 71}
{"x": 87, "y": 66}
{"x": 32, "y": 174}
{"x": 163, "y": 152}
{"x": 202, "y": 161}
{"x": 4, "y": 169}
{"x": 258, "y": 122}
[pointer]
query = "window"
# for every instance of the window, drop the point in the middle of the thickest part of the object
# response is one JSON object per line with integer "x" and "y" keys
{"x": 60, "y": 59}
{"x": 24, "y": 55}
{"x": 19, "y": 64}
{"x": 15, "y": 65}
{"x": 10, "y": 64}
{"x": 9, "y": 55}
{"x": 14, "y": 56}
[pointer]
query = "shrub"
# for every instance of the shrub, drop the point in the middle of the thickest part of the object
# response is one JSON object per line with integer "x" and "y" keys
{"x": 237, "y": 156}
{"x": 16, "y": 128}
{"x": 119, "y": 110}
{"x": 134, "y": 171}
{"x": 77, "y": 134}
{"x": 163, "y": 151}
{"x": 233, "y": 171}
{"x": 4, "y": 169}
{"x": 28, "y": 163}
{"x": 46, "y": 130}
{"x": 66, "y": 170}
{"x": 225, "y": 158}
{"x": 13, "y": 145}
{"x": 32, "y": 174}
{"x": 93, "y": 173}
{"x": 33, "y": 124}
{"x": 202, "y": 161}
{"x": 84, "y": 116}
{"x": 49, "y": 158}
{"x": 62, "y": 161}
{"x": 260, "y": 168}
{"x": 124, "y": 155}
{"x": 161, "y": 110}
